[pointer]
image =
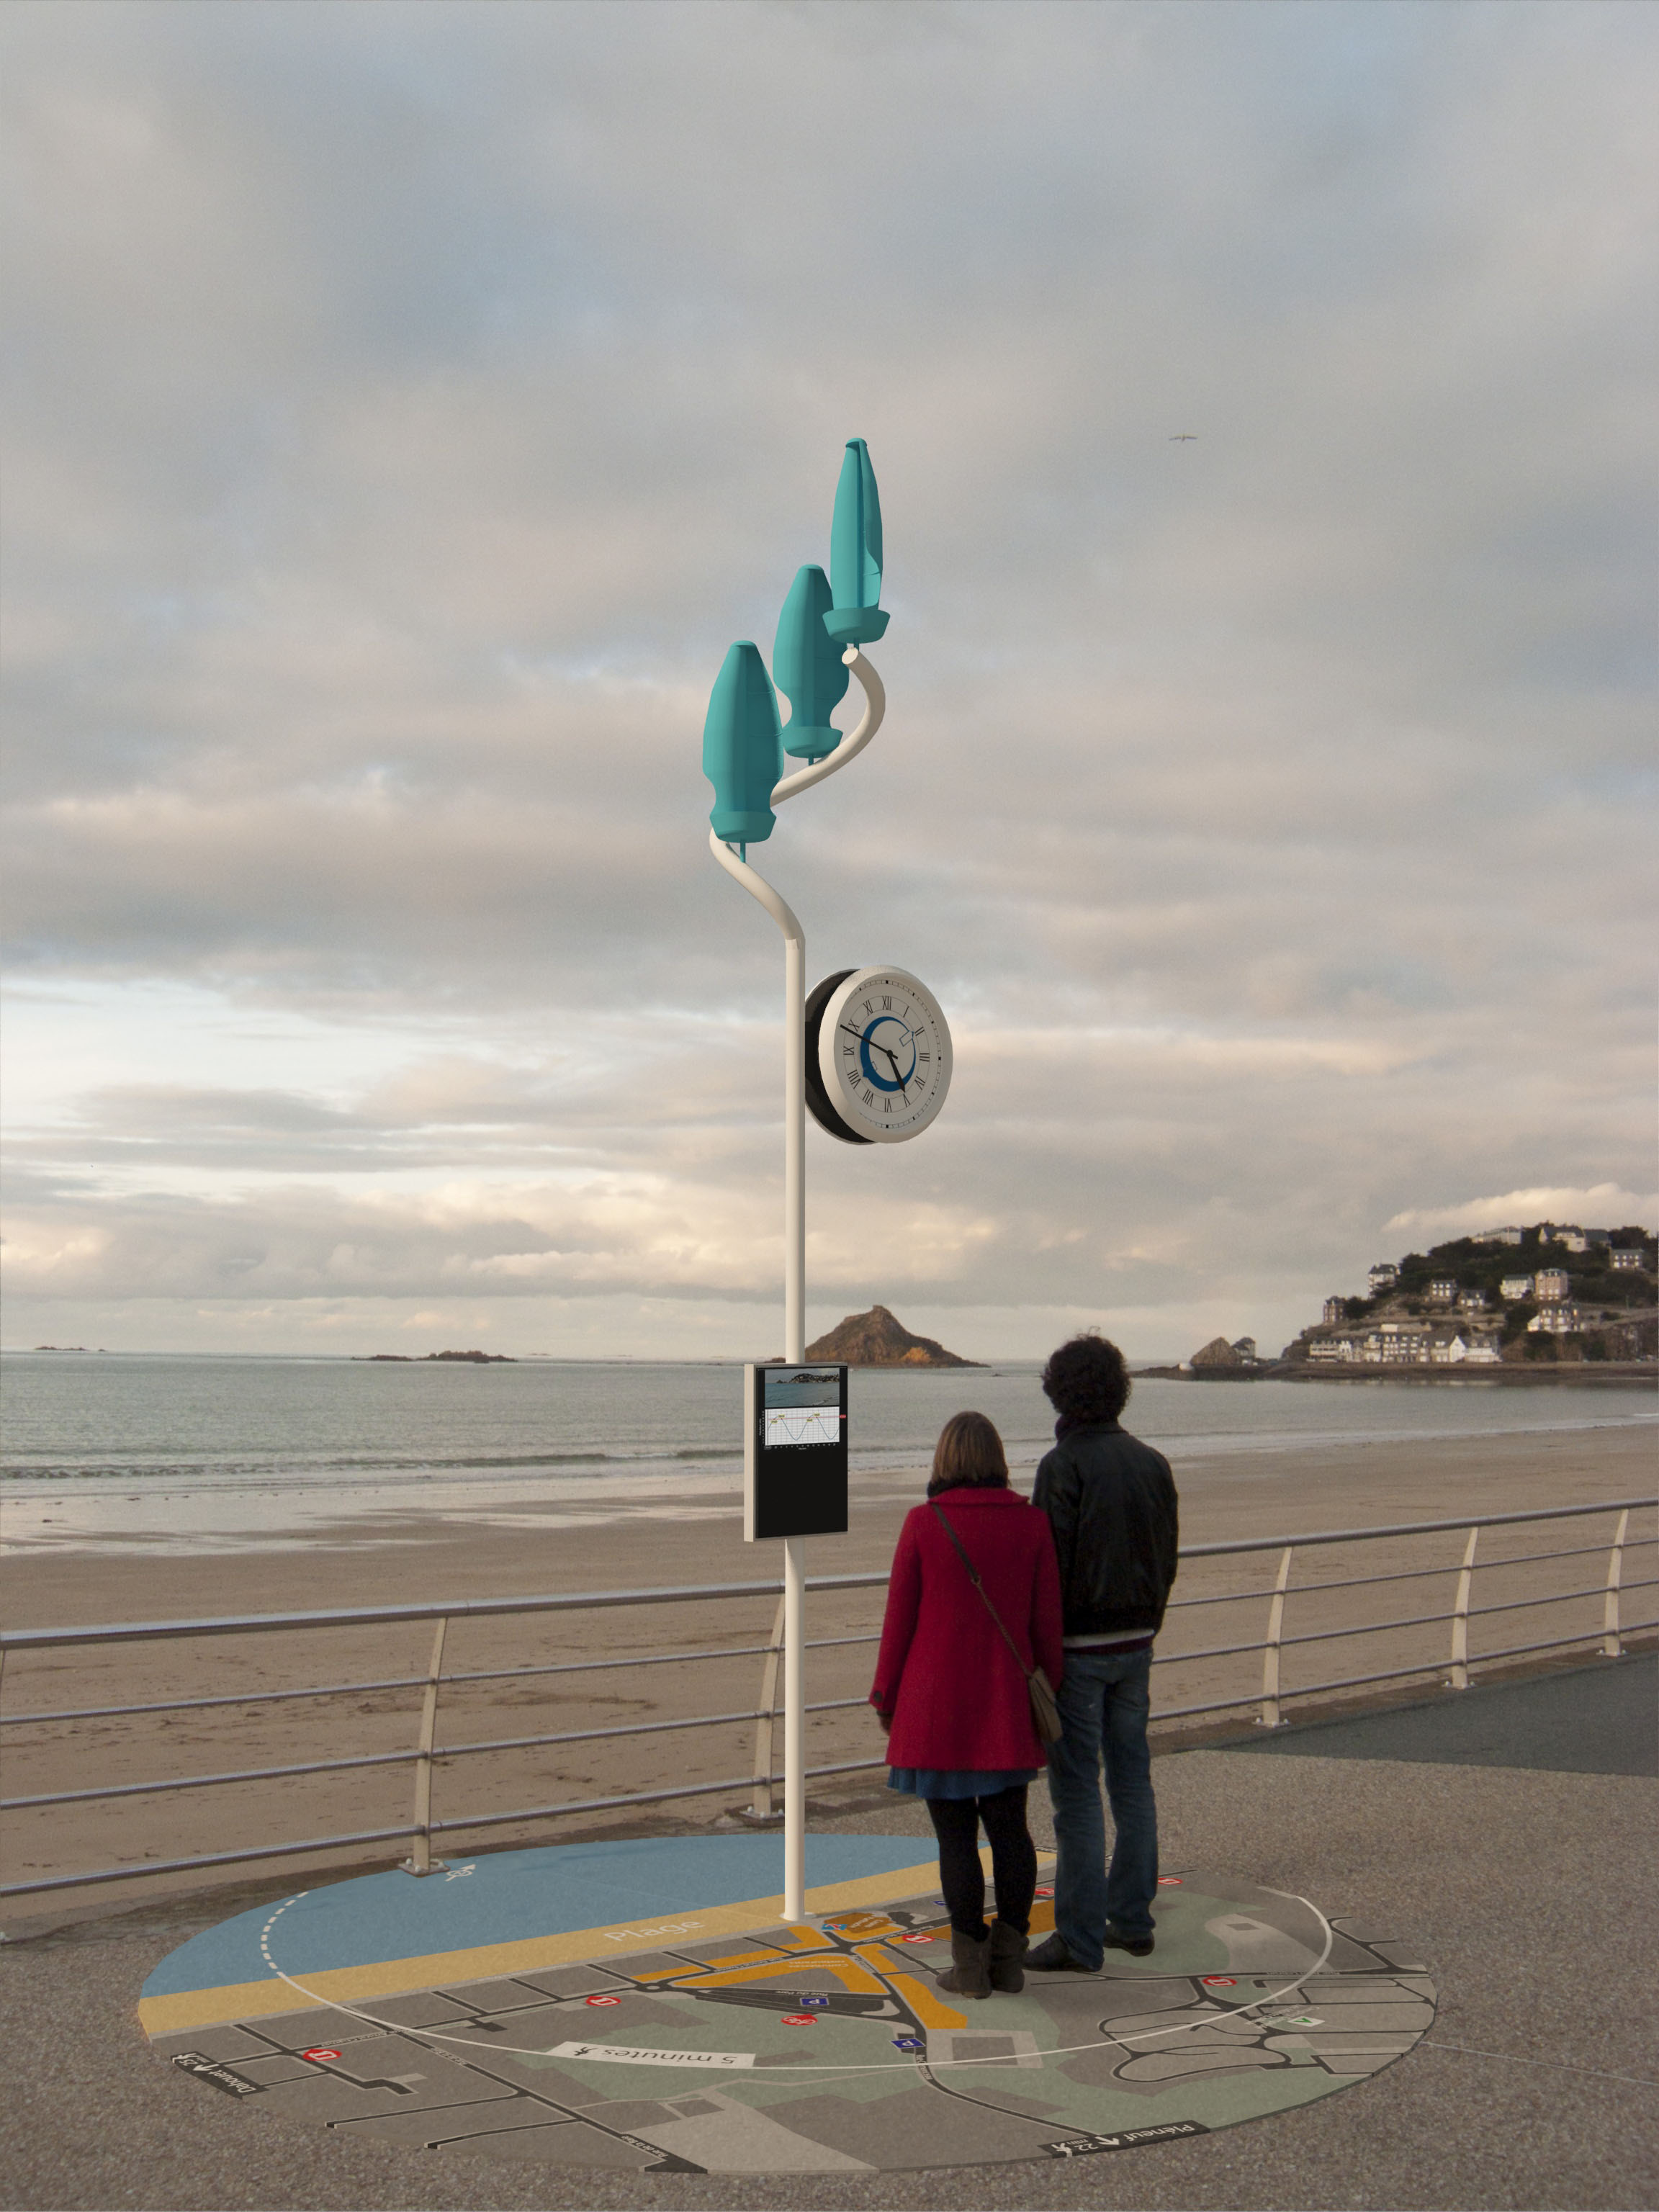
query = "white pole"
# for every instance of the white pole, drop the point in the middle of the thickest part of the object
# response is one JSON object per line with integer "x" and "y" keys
{"x": 795, "y": 1728}
{"x": 794, "y": 1258}
{"x": 794, "y": 1145}
{"x": 794, "y": 1348}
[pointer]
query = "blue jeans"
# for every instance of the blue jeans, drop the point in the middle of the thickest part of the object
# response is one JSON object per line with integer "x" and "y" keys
{"x": 1104, "y": 1701}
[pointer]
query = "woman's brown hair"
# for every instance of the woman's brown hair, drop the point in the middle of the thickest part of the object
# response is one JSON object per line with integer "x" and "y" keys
{"x": 968, "y": 1456}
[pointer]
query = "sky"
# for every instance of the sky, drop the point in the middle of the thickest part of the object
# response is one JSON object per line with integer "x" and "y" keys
{"x": 406, "y": 406}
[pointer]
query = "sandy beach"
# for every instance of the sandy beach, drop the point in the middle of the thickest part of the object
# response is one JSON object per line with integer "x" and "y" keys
{"x": 1236, "y": 1497}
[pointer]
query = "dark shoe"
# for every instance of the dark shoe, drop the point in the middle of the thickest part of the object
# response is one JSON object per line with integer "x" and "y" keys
{"x": 1052, "y": 1957}
{"x": 969, "y": 1971}
{"x": 1138, "y": 1946}
{"x": 1008, "y": 1949}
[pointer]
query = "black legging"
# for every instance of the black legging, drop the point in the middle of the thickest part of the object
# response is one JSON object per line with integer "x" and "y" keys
{"x": 1013, "y": 1858}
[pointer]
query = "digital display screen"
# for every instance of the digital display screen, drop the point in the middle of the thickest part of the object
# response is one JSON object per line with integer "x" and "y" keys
{"x": 801, "y": 1405}
{"x": 794, "y": 1450}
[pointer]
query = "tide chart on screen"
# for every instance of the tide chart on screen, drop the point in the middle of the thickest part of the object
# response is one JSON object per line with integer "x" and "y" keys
{"x": 795, "y": 1451}
{"x": 803, "y": 1407}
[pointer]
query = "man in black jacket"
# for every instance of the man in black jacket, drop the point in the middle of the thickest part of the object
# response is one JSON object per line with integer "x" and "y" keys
{"x": 1111, "y": 1500}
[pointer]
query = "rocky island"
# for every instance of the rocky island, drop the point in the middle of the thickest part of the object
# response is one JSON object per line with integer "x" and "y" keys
{"x": 473, "y": 1359}
{"x": 879, "y": 1339}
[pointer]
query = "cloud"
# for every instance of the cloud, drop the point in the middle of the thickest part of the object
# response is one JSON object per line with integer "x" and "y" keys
{"x": 1605, "y": 1206}
{"x": 411, "y": 405}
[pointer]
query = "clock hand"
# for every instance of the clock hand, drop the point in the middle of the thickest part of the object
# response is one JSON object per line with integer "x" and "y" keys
{"x": 890, "y": 1056}
{"x": 871, "y": 1041}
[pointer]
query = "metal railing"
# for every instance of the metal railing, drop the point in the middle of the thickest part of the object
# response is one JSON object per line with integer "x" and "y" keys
{"x": 421, "y": 1828}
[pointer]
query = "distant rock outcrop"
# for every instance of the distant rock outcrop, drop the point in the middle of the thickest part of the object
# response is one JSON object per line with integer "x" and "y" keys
{"x": 1218, "y": 1357}
{"x": 878, "y": 1338}
{"x": 473, "y": 1359}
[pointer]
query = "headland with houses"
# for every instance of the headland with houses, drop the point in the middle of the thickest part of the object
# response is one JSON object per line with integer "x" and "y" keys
{"x": 1546, "y": 1302}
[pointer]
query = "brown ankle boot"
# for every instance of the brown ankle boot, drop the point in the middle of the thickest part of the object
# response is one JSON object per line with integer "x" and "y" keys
{"x": 1008, "y": 1948}
{"x": 969, "y": 1974}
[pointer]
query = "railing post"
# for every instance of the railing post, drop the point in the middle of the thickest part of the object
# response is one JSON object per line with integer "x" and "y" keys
{"x": 1460, "y": 1650}
{"x": 420, "y": 1860}
{"x": 760, "y": 1805}
{"x": 1611, "y": 1643}
{"x": 1269, "y": 1714}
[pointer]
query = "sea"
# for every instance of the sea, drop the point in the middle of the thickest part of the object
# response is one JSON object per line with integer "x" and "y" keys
{"x": 119, "y": 1453}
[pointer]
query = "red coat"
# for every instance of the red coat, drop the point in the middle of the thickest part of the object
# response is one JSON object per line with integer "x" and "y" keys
{"x": 948, "y": 1680}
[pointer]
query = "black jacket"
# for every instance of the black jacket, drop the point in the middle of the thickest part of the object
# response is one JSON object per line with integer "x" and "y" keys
{"x": 1111, "y": 1500}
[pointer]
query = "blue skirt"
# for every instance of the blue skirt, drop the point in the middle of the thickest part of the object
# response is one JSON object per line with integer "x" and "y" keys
{"x": 957, "y": 1781}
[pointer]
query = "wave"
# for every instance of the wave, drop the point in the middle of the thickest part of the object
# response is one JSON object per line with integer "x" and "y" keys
{"x": 288, "y": 1468}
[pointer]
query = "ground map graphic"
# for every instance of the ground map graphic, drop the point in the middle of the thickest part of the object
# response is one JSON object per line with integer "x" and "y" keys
{"x": 827, "y": 2047}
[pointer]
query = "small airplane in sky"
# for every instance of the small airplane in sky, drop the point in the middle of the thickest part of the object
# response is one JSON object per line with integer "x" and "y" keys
{"x": 1180, "y": 437}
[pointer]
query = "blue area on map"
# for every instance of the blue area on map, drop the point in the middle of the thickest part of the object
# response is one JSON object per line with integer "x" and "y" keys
{"x": 508, "y": 1896}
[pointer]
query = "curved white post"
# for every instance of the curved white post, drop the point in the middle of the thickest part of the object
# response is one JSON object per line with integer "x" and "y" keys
{"x": 420, "y": 1860}
{"x": 1460, "y": 1650}
{"x": 875, "y": 707}
{"x": 794, "y": 1347}
{"x": 794, "y": 1092}
{"x": 1269, "y": 1716}
{"x": 1612, "y": 1642}
{"x": 794, "y": 1254}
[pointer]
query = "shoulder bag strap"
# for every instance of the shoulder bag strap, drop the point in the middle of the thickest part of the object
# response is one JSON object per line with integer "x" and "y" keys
{"x": 973, "y": 1576}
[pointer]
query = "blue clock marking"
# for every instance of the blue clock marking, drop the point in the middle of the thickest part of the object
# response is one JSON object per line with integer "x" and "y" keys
{"x": 891, "y": 1050}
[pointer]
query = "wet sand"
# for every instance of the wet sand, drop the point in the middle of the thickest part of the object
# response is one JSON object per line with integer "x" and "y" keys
{"x": 1238, "y": 1497}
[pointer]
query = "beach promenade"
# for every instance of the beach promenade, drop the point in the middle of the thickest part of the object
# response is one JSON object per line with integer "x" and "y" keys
{"x": 1510, "y": 1833}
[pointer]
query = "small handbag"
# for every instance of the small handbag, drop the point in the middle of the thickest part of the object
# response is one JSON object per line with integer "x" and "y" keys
{"x": 1045, "y": 1706}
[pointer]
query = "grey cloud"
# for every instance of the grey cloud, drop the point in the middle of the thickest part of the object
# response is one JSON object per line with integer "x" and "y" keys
{"x": 411, "y": 404}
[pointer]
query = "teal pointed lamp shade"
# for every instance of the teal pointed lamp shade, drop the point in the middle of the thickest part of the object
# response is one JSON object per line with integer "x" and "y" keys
{"x": 743, "y": 748}
{"x": 807, "y": 666}
{"x": 856, "y": 618}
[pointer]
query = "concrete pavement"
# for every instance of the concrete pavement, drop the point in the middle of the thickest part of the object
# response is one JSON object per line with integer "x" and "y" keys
{"x": 1512, "y": 1829}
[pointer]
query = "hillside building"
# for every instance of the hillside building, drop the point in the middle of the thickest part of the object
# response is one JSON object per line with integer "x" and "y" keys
{"x": 1383, "y": 1276}
{"x": 1552, "y": 1282}
{"x": 1460, "y": 1351}
{"x": 1471, "y": 1302}
{"x": 1515, "y": 1286}
{"x": 1626, "y": 1260}
{"x": 1556, "y": 1320}
{"x": 1406, "y": 1344}
{"x": 1443, "y": 1290}
{"x": 1497, "y": 1237}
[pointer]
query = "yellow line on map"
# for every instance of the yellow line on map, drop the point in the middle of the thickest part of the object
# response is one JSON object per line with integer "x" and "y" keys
{"x": 847, "y": 1972}
{"x": 192, "y": 2008}
{"x": 927, "y": 2003}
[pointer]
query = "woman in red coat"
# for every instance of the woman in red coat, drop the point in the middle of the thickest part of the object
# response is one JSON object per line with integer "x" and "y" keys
{"x": 954, "y": 1702}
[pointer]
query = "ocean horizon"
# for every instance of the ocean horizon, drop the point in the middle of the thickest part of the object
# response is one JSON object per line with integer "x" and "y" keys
{"x": 113, "y": 1452}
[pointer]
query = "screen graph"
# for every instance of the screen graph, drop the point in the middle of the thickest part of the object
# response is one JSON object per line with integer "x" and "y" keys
{"x": 802, "y": 1424}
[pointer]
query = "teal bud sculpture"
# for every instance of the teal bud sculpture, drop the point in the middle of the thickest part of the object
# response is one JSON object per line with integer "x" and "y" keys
{"x": 807, "y": 666}
{"x": 743, "y": 748}
{"x": 856, "y": 619}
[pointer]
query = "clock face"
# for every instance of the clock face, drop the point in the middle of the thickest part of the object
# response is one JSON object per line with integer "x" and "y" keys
{"x": 882, "y": 1052}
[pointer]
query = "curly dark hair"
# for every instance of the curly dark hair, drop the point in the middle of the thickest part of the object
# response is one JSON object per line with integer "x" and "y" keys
{"x": 1086, "y": 1379}
{"x": 968, "y": 1455}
